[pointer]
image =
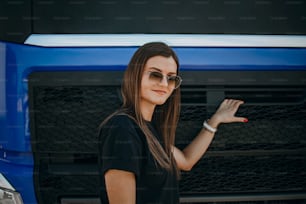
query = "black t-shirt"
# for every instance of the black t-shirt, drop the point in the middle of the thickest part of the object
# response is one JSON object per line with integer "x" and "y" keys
{"x": 124, "y": 147}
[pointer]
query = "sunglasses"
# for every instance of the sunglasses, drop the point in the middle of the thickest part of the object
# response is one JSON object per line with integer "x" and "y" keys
{"x": 173, "y": 80}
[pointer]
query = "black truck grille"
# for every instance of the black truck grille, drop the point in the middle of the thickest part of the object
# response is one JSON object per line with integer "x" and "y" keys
{"x": 266, "y": 155}
{"x": 68, "y": 117}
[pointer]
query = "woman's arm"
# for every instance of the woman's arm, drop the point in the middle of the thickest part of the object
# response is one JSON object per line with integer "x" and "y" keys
{"x": 194, "y": 151}
{"x": 120, "y": 186}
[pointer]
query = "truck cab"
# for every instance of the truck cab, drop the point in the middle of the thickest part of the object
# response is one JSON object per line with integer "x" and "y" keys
{"x": 57, "y": 89}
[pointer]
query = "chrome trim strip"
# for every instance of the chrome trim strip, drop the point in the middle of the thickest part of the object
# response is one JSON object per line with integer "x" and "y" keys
{"x": 180, "y": 40}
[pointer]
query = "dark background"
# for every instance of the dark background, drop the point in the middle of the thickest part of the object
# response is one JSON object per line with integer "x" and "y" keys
{"x": 20, "y": 18}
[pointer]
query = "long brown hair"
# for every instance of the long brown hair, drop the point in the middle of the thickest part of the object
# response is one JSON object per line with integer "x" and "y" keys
{"x": 165, "y": 116}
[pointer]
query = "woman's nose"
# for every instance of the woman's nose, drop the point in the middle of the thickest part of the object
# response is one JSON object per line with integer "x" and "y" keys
{"x": 164, "y": 81}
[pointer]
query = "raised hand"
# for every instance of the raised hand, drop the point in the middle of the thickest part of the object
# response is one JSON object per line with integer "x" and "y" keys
{"x": 226, "y": 113}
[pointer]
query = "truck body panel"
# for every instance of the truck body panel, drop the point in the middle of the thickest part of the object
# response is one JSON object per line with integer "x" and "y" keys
{"x": 25, "y": 67}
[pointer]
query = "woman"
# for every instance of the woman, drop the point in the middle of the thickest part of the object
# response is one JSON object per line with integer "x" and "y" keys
{"x": 139, "y": 162}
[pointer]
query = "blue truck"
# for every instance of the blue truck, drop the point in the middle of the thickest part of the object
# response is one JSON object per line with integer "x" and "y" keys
{"x": 56, "y": 89}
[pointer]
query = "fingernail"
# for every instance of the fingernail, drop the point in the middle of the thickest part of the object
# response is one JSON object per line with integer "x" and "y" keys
{"x": 245, "y": 120}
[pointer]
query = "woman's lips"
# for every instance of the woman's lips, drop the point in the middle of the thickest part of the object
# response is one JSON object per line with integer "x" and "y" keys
{"x": 160, "y": 92}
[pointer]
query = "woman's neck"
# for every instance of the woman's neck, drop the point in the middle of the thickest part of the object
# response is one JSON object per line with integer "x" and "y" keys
{"x": 147, "y": 111}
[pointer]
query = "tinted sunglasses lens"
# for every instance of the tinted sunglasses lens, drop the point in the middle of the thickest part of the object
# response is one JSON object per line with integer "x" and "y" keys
{"x": 172, "y": 80}
{"x": 156, "y": 76}
{"x": 175, "y": 80}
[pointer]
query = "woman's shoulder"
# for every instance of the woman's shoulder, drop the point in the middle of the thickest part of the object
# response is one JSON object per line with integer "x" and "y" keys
{"x": 121, "y": 123}
{"x": 122, "y": 119}
{"x": 122, "y": 127}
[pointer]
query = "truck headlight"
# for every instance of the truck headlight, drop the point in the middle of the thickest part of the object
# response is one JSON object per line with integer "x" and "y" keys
{"x": 8, "y": 195}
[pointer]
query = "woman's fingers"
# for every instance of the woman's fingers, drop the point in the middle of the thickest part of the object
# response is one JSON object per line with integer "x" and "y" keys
{"x": 233, "y": 102}
{"x": 240, "y": 119}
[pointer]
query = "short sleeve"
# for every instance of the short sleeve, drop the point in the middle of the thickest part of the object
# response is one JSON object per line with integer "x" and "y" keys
{"x": 121, "y": 145}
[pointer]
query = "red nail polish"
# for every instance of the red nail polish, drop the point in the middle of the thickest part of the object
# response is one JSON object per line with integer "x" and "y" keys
{"x": 245, "y": 120}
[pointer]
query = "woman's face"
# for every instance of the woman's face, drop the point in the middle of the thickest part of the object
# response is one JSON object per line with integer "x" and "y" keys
{"x": 156, "y": 88}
